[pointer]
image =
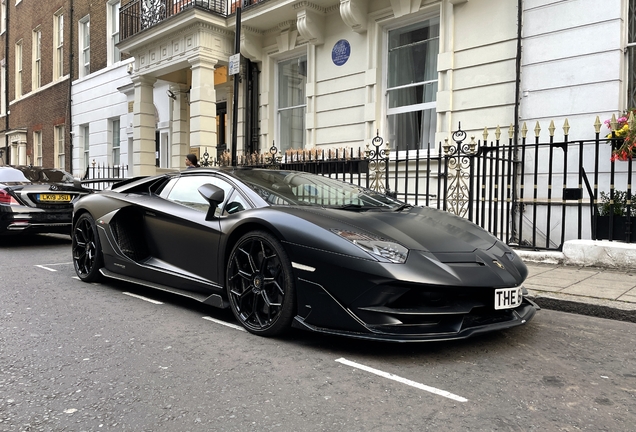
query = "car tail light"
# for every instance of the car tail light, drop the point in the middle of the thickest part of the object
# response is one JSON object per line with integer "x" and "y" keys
{"x": 5, "y": 198}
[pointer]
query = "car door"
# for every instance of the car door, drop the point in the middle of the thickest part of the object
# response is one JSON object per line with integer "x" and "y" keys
{"x": 179, "y": 238}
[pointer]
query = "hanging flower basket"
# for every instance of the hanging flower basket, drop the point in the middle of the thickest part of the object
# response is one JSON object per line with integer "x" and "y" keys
{"x": 622, "y": 137}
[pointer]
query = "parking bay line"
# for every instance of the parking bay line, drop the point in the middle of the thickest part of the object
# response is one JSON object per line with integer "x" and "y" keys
{"x": 234, "y": 326}
{"x": 46, "y": 266}
{"x": 393, "y": 377}
{"x": 142, "y": 298}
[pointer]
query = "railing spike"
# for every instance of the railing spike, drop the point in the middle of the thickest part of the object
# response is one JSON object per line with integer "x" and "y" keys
{"x": 613, "y": 123}
{"x": 524, "y": 130}
{"x": 551, "y": 128}
{"x": 537, "y": 129}
{"x": 498, "y": 133}
{"x": 597, "y": 125}
{"x": 566, "y": 127}
{"x": 630, "y": 120}
{"x": 485, "y": 134}
{"x": 511, "y": 131}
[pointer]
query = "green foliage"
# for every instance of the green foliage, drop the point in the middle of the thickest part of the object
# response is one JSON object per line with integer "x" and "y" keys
{"x": 620, "y": 204}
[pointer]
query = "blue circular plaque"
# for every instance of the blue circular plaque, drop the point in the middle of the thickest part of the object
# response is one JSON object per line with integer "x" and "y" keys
{"x": 341, "y": 52}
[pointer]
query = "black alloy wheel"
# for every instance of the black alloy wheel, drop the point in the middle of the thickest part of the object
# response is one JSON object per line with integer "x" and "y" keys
{"x": 87, "y": 252}
{"x": 259, "y": 284}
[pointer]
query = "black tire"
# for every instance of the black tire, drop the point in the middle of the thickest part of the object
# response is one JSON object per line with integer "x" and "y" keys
{"x": 260, "y": 284}
{"x": 87, "y": 250}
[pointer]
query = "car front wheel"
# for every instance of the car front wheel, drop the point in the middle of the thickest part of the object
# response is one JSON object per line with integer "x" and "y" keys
{"x": 87, "y": 252}
{"x": 260, "y": 284}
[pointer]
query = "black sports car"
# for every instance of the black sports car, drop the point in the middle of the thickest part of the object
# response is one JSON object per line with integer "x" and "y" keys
{"x": 37, "y": 200}
{"x": 285, "y": 248}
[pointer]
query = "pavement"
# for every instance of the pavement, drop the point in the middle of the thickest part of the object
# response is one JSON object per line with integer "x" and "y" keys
{"x": 596, "y": 278}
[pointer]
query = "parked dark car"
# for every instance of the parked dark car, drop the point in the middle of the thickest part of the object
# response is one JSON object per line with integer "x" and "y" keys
{"x": 37, "y": 200}
{"x": 285, "y": 248}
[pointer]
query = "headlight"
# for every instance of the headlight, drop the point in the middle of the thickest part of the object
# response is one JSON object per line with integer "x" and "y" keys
{"x": 387, "y": 251}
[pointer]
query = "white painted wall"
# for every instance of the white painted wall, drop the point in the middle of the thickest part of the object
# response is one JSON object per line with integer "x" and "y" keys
{"x": 573, "y": 64}
{"x": 484, "y": 43}
{"x": 97, "y": 100}
{"x": 346, "y": 104}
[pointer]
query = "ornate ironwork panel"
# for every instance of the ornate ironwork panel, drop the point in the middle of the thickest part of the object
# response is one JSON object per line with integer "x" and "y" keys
{"x": 378, "y": 158}
{"x": 152, "y": 12}
{"x": 459, "y": 157}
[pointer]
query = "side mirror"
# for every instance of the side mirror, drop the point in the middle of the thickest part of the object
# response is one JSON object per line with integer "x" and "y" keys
{"x": 214, "y": 195}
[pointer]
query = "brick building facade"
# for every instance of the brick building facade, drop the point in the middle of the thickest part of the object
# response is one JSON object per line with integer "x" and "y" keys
{"x": 45, "y": 47}
{"x": 36, "y": 43}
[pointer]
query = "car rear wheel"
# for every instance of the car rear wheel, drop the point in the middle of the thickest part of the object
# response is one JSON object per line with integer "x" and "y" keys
{"x": 260, "y": 284}
{"x": 87, "y": 252}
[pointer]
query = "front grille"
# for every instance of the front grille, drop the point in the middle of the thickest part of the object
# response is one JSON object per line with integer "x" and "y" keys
{"x": 428, "y": 310}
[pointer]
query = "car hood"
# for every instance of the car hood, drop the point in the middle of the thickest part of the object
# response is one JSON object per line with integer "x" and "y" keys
{"x": 417, "y": 228}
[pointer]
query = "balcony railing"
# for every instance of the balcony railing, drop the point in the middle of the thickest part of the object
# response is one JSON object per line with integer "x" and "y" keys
{"x": 139, "y": 15}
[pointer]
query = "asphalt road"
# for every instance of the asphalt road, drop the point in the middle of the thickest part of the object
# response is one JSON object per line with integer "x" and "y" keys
{"x": 92, "y": 357}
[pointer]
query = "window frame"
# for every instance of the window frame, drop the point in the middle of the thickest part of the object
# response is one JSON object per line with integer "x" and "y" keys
{"x": 280, "y": 110}
{"x": 37, "y": 148}
{"x": 58, "y": 45}
{"x": 36, "y": 53}
{"x": 86, "y": 145}
{"x": 112, "y": 32}
{"x": 60, "y": 160}
{"x": 413, "y": 108}
{"x": 115, "y": 141}
{"x": 84, "y": 32}
{"x": 3, "y": 16}
{"x": 18, "y": 68}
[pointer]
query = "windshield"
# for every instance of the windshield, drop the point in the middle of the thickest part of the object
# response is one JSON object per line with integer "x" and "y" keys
{"x": 298, "y": 188}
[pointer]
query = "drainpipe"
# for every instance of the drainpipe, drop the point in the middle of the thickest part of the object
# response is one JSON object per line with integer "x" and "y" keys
{"x": 6, "y": 87}
{"x": 518, "y": 68}
{"x": 513, "y": 216}
{"x": 70, "y": 86}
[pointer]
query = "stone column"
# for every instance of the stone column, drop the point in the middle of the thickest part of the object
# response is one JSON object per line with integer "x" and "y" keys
{"x": 22, "y": 153}
{"x": 203, "y": 104}
{"x": 144, "y": 127}
{"x": 180, "y": 129}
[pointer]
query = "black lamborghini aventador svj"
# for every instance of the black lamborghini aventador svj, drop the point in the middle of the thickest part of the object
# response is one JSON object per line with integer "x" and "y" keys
{"x": 285, "y": 248}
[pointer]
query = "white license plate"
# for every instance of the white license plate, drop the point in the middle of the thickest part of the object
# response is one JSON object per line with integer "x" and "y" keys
{"x": 508, "y": 298}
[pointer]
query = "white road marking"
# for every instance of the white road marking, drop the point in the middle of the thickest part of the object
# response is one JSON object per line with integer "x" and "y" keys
{"x": 143, "y": 298}
{"x": 46, "y": 268}
{"x": 390, "y": 376}
{"x": 234, "y": 326}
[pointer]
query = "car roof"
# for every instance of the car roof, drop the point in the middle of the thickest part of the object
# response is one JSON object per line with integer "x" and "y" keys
{"x": 44, "y": 174}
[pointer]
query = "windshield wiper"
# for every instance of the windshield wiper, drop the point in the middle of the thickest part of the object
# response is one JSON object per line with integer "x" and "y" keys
{"x": 403, "y": 207}
{"x": 351, "y": 206}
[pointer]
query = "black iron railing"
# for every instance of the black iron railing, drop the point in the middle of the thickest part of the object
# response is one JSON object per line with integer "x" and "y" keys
{"x": 101, "y": 176}
{"x": 535, "y": 194}
{"x": 138, "y": 15}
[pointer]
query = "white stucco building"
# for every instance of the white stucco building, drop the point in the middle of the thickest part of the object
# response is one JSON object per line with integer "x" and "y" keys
{"x": 332, "y": 74}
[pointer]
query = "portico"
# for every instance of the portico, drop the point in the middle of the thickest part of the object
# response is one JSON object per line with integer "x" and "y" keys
{"x": 188, "y": 52}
